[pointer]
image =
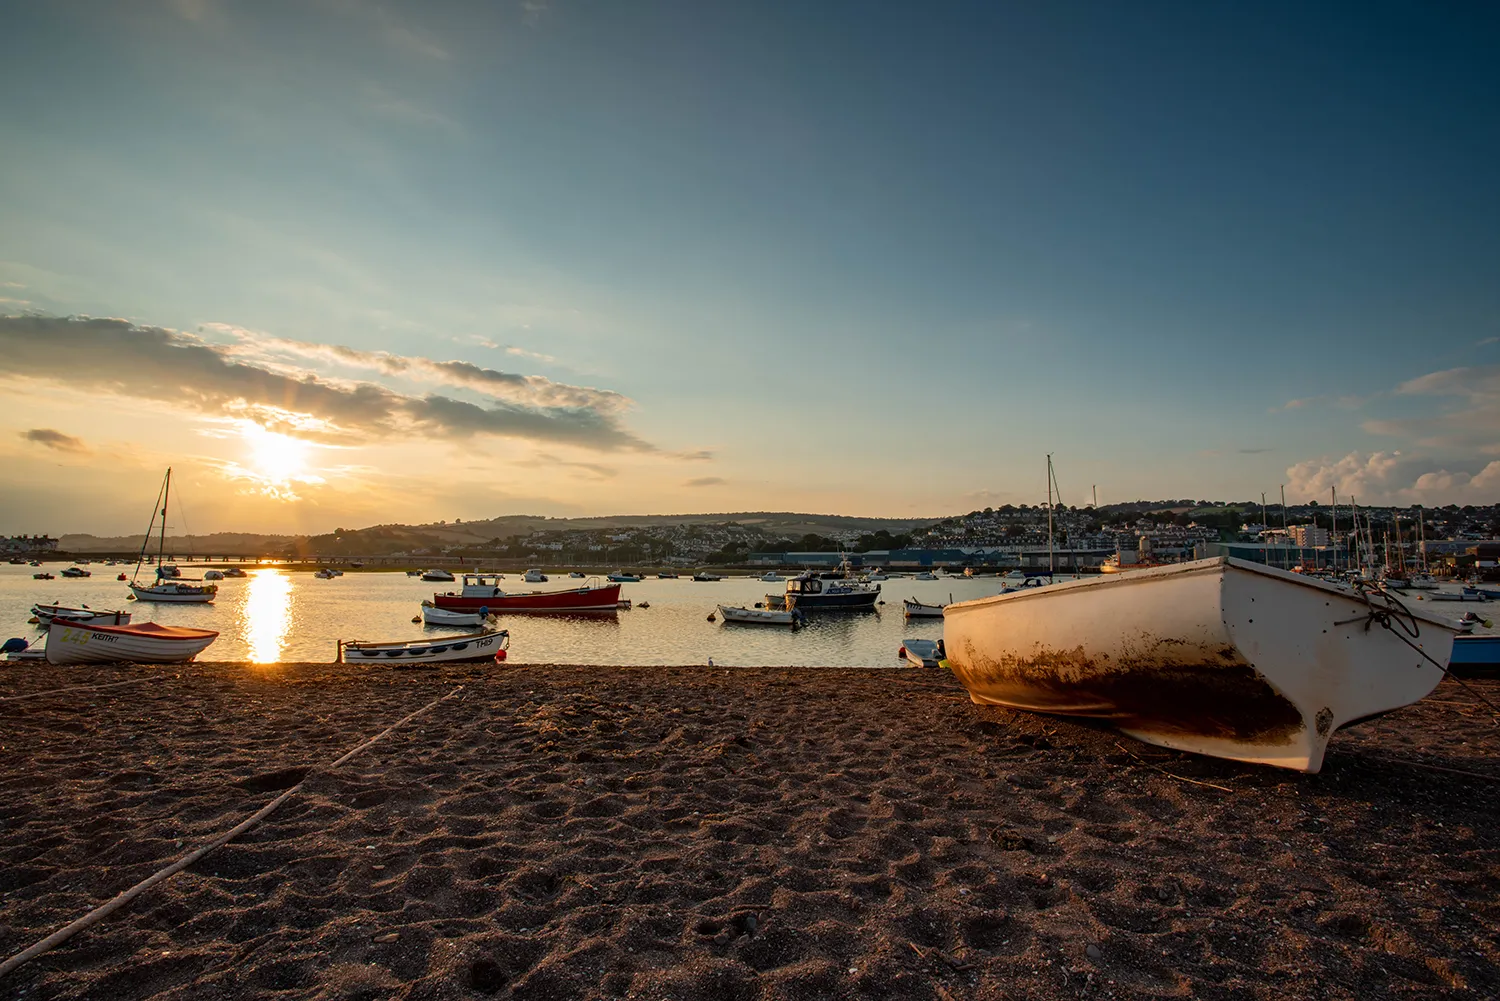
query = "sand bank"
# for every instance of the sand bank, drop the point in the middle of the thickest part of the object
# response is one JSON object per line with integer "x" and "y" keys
{"x": 563, "y": 832}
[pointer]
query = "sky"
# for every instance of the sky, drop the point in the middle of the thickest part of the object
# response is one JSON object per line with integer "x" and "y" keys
{"x": 346, "y": 262}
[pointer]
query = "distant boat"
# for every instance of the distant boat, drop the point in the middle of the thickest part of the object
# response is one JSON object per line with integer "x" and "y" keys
{"x": 147, "y": 643}
{"x": 213, "y": 575}
{"x": 435, "y": 616}
{"x": 483, "y": 591}
{"x": 436, "y": 575}
{"x": 42, "y": 576}
{"x": 531, "y": 577}
{"x": 705, "y": 575}
{"x": 326, "y": 574}
{"x": 921, "y": 653}
{"x": 450, "y": 649}
{"x": 666, "y": 575}
{"x": 918, "y": 610}
{"x": 621, "y": 577}
{"x": 1220, "y": 656}
{"x": 1423, "y": 582}
{"x": 926, "y": 575}
{"x": 76, "y": 572}
{"x": 771, "y": 575}
{"x": 577, "y": 573}
{"x": 760, "y": 616}
{"x": 840, "y": 591}
{"x": 166, "y": 589}
{"x": 47, "y": 614}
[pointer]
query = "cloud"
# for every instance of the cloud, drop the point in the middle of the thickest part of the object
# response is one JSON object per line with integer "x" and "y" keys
{"x": 1252, "y": 451}
{"x": 694, "y": 455}
{"x": 595, "y": 469}
{"x": 1487, "y": 340}
{"x": 1392, "y": 478}
{"x": 49, "y": 438}
{"x": 154, "y": 363}
{"x": 1473, "y": 423}
{"x": 531, "y": 390}
{"x": 511, "y": 349}
{"x": 706, "y": 481}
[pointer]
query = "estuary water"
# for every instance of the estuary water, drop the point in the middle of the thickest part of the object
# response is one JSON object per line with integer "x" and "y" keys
{"x": 277, "y": 615}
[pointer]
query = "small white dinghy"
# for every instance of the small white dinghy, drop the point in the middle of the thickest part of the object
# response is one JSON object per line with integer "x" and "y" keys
{"x": 448, "y": 650}
{"x": 1220, "y": 656}
{"x": 917, "y": 610}
{"x": 47, "y": 614}
{"x": 761, "y": 616}
{"x": 146, "y": 643}
{"x": 922, "y": 653}
{"x": 435, "y": 616}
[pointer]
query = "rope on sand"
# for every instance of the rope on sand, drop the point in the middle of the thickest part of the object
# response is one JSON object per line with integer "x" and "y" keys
{"x": 109, "y": 907}
{"x": 76, "y": 688}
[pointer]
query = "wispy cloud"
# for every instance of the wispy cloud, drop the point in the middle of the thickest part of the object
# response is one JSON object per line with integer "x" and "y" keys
{"x": 534, "y": 355}
{"x": 706, "y": 481}
{"x": 1252, "y": 451}
{"x": 182, "y": 370}
{"x": 1487, "y": 340}
{"x": 56, "y": 440}
{"x": 532, "y": 11}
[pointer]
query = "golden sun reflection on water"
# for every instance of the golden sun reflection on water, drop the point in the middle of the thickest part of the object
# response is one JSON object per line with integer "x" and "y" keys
{"x": 267, "y": 615}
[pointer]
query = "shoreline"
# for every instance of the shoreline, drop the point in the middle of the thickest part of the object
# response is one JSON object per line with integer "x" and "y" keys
{"x": 741, "y": 832}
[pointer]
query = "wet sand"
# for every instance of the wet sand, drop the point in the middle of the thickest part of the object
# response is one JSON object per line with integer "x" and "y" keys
{"x": 687, "y": 833}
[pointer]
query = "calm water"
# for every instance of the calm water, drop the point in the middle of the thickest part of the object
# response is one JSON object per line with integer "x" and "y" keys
{"x": 275, "y": 615}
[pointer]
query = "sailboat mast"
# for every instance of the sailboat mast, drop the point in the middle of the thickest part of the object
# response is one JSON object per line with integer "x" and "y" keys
{"x": 1051, "y": 554}
{"x": 1333, "y": 531}
{"x": 166, "y": 495}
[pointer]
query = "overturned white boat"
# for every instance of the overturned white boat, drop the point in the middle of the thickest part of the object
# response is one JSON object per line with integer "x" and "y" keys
{"x": 921, "y": 653}
{"x": 435, "y": 616}
{"x": 1219, "y": 656}
{"x": 146, "y": 643}
{"x": 761, "y": 616}
{"x": 449, "y": 650}
{"x": 919, "y": 610}
{"x": 47, "y": 614}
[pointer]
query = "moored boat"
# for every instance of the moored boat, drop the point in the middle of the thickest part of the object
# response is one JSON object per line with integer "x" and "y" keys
{"x": 146, "y": 643}
{"x": 706, "y": 576}
{"x": 76, "y": 572}
{"x": 175, "y": 591}
{"x": 832, "y": 591}
{"x": 47, "y": 614}
{"x": 450, "y": 649}
{"x": 1220, "y": 656}
{"x": 760, "y": 616}
{"x": 442, "y": 575}
{"x": 919, "y": 610}
{"x": 483, "y": 590}
{"x": 533, "y": 577}
{"x": 921, "y": 653}
{"x": 435, "y": 616}
{"x": 621, "y": 577}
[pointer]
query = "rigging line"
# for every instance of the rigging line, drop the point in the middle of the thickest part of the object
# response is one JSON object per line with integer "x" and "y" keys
{"x": 146, "y": 539}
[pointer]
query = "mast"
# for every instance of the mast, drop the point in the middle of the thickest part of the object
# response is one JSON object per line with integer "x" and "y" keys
{"x": 1284, "y": 535}
{"x": 166, "y": 495}
{"x": 161, "y": 497}
{"x": 1051, "y": 554}
{"x": 1333, "y": 532}
{"x": 1400, "y": 548}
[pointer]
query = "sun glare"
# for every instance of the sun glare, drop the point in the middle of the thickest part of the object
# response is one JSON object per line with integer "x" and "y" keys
{"x": 275, "y": 458}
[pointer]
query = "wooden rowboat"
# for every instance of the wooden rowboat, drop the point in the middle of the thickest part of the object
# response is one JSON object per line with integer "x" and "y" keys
{"x": 917, "y": 610}
{"x": 760, "y": 616}
{"x": 146, "y": 643}
{"x": 448, "y": 650}
{"x": 434, "y": 616}
{"x": 47, "y": 614}
{"x": 1219, "y": 656}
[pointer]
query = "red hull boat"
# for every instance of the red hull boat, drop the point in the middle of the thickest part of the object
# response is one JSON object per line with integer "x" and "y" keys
{"x": 484, "y": 592}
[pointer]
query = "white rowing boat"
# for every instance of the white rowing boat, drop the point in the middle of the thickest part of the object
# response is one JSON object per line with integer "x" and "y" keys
{"x": 47, "y": 614}
{"x": 449, "y": 650}
{"x": 435, "y": 616}
{"x": 146, "y": 643}
{"x": 1219, "y": 656}
{"x": 922, "y": 653}
{"x": 760, "y": 616}
{"x": 917, "y": 610}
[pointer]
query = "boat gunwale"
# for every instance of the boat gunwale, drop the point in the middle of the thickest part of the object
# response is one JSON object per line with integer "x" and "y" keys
{"x": 402, "y": 644}
{"x": 1213, "y": 564}
{"x": 134, "y": 629}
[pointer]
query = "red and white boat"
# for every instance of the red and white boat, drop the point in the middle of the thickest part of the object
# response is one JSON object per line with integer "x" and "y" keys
{"x": 483, "y": 591}
{"x": 47, "y": 614}
{"x": 147, "y": 643}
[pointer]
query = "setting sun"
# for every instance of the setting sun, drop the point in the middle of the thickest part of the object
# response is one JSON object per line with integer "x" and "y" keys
{"x": 275, "y": 458}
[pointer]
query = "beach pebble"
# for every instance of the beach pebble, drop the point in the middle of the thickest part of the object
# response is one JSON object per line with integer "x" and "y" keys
{"x": 389, "y": 936}
{"x": 1093, "y": 951}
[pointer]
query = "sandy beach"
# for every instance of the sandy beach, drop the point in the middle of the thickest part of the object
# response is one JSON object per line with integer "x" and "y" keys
{"x": 687, "y": 833}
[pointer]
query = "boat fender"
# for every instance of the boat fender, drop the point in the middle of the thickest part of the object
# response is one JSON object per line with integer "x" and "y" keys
{"x": 14, "y": 645}
{"x": 710, "y": 616}
{"x": 901, "y": 652}
{"x": 500, "y": 654}
{"x": 416, "y": 618}
{"x": 484, "y": 610}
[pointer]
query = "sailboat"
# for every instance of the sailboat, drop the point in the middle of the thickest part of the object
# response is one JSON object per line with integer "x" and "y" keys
{"x": 166, "y": 589}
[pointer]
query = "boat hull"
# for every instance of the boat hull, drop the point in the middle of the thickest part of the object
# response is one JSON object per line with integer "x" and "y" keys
{"x": 450, "y": 650}
{"x": 169, "y": 592}
{"x": 47, "y": 614}
{"x": 1218, "y": 657}
{"x": 581, "y": 599}
{"x": 149, "y": 643}
{"x": 1475, "y": 654}
{"x": 758, "y": 616}
{"x": 917, "y": 610}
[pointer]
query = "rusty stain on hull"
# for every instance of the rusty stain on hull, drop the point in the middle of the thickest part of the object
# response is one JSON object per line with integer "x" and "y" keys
{"x": 1155, "y": 685}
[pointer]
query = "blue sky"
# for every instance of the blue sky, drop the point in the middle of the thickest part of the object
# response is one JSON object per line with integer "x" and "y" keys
{"x": 852, "y": 257}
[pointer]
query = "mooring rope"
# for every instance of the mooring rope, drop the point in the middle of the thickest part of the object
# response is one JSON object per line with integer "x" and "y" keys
{"x": 1391, "y": 614}
{"x": 120, "y": 900}
{"x": 75, "y": 688}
